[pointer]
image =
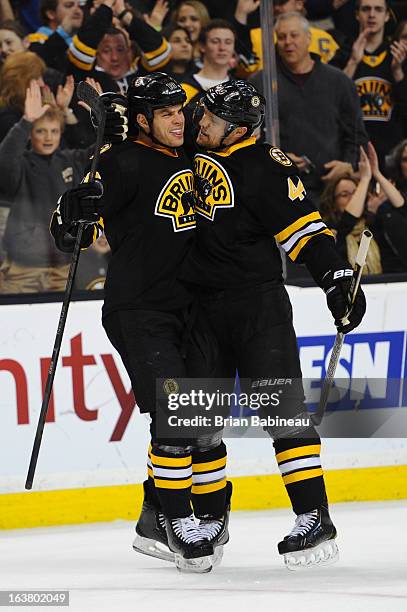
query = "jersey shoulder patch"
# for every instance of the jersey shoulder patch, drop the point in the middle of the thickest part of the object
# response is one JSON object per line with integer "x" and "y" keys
{"x": 280, "y": 157}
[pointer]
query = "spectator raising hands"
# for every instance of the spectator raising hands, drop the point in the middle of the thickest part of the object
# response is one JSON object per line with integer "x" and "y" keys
{"x": 349, "y": 205}
{"x": 156, "y": 18}
{"x": 398, "y": 50}
{"x": 244, "y": 8}
{"x": 376, "y": 66}
{"x": 31, "y": 183}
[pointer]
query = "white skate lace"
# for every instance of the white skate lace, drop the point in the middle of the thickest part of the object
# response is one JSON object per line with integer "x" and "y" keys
{"x": 186, "y": 529}
{"x": 303, "y": 523}
{"x": 210, "y": 528}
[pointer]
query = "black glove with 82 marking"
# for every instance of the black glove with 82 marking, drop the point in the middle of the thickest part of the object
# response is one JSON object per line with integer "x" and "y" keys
{"x": 337, "y": 285}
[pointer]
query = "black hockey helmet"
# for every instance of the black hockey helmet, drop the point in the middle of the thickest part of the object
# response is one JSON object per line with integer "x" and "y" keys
{"x": 150, "y": 92}
{"x": 237, "y": 102}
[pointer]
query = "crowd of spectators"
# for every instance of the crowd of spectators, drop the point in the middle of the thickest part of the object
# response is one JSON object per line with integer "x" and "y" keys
{"x": 341, "y": 85}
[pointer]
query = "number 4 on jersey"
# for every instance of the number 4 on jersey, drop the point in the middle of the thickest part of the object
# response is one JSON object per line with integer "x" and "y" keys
{"x": 295, "y": 191}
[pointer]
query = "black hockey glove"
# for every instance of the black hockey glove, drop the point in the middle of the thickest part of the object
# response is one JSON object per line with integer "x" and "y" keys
{"x": 80, "y": 204}
{"x": 116, "y": 125}
{"x": 337, "y": 285}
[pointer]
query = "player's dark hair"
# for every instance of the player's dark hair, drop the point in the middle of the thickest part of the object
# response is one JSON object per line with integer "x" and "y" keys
{"x": 216, "y": 24}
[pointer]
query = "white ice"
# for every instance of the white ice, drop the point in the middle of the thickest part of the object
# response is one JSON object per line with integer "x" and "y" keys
{"x": 98, "y": 566}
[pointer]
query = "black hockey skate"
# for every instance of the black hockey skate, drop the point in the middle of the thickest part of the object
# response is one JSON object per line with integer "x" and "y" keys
{"x": 215, "y": 530}
{"x": 193, "y": 553}
{"x": 311, "y": 541}
{"x": 151, "y": 538}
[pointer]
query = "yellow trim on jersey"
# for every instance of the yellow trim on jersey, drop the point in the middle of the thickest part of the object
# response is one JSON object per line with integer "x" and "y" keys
{"x": 239, "y": 145}
{"x": 210, "y": 465}
{"x": 171, "y": 461}
{"x": 190, "y": 91}
{"x": 300, "y": 451}
{"x": 301, "y": 244}
{"x": 150, "y": 472}
{"x": 147, "y": 58}
{"x": 149, "y": 55}
{"x": 157, "y": 147}
{"x": 244, "y": 71}
{"x": 258, "y": 492}
{"x": 82, "y": 47}
{"x": 156, "y": 67}
{"x": 37, "y": 37}
{"x": 294, "y": 227}
{"x": 375, "y": 60}
{"x": 209, "y": 488}
{"x": 305, "y": 475}
{"x": 172, "y": 484}
{"x": 77, "y": 63}
{"x": 323, "y": 44}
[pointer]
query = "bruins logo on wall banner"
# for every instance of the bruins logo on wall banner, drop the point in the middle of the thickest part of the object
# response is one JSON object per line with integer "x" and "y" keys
{"x": 375, "y": 98}
{"x": 213, "y": 187}
{"x": 176, "y": 201}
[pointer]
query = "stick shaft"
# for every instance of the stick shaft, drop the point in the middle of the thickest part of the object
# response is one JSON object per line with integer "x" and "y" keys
{"x": 64, "y": 309}
{"x": 337, "y": 347}
{"x": 54, "y": 359}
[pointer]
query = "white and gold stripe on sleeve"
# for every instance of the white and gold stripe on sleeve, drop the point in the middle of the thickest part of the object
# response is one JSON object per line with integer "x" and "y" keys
{"x": 80, "y": 55}
{"x": 294, "y": 237}
{"x": 154, "y": 60}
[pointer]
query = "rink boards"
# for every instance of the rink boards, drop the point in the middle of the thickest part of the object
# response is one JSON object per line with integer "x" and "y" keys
{"x": 93, "y": 454}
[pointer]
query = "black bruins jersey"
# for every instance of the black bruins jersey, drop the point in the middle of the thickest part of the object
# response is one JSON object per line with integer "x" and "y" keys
{"x": 244, "y": 197}
{"x": 382, "y": 100}
{"x": 148, "y": 217}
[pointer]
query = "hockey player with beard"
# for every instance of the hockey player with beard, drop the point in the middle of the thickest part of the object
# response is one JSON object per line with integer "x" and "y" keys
{"x": 143, "y": 199}
{"x": 246, "y": 195}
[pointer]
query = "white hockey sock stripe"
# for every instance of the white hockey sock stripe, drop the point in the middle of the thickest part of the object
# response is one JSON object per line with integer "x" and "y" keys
{"x": 206, "y": 478}
{"x": 300, "y": 463}
{"x": 171, "y": 472}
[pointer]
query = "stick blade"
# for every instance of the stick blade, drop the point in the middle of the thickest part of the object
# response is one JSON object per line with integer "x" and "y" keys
{"x": 87, "y": 94}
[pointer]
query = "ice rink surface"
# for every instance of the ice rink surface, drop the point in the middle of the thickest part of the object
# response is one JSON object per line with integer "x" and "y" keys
{"x": 98, "y": 566}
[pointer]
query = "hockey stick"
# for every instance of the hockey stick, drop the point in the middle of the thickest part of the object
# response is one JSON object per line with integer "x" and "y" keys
{"x": 337, "y": 347}
{"x": 87, "y": 94}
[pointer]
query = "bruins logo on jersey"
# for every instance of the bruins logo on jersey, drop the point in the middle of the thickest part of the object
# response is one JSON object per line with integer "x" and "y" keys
{"x": 213, "y": 187}
{"x": 375, "y": 98}
{"x": 176, "y": 201}
{"x": 280, "y": 157}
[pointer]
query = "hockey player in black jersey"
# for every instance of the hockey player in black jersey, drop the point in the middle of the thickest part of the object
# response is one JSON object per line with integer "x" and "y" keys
{"x": 246, "y": 195}
{"x": 143, "y": 199}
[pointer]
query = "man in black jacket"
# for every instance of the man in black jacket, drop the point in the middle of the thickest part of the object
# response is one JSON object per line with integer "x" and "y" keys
{"x": 320, "y": 119}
